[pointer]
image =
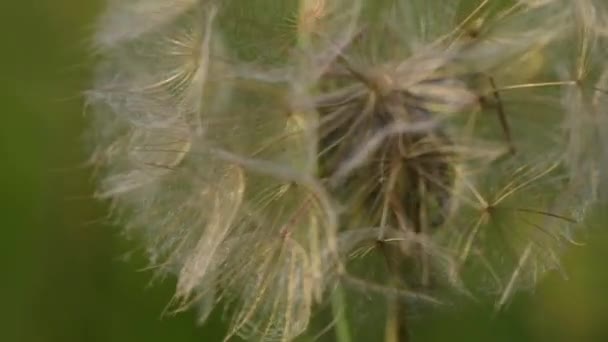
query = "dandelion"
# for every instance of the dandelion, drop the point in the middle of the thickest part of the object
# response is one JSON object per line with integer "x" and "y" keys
{"x": 273, "y": 155}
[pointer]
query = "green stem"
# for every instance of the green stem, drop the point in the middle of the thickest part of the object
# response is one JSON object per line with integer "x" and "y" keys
{"x": 338, "y": 306}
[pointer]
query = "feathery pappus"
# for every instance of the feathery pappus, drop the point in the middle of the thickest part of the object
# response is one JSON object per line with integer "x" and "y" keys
{"x": 276, "y": 155}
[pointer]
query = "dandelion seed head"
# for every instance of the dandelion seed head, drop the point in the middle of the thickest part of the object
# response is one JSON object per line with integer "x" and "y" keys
{"x": 267, "y": 153}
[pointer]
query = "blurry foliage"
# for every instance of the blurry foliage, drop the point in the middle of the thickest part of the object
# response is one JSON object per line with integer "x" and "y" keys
{"x": 64, "y": 277}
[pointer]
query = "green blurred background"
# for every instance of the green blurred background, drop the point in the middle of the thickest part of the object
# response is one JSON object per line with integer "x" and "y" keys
{"x": 67, "y": 276}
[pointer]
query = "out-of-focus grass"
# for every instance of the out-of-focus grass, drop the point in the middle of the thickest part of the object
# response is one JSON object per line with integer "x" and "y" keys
{"x": 65, "y": 276}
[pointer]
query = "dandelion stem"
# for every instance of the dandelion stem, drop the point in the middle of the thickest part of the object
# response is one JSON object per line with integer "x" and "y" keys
{"x": 397, "y": 327}
{"x": 338, "y": 306}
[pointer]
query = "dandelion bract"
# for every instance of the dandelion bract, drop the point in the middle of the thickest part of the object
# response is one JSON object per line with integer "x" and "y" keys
{"x": 271, "y": 154}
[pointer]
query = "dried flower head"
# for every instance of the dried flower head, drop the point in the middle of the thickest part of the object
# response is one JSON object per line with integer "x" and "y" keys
{"x": 269, "y": 153}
